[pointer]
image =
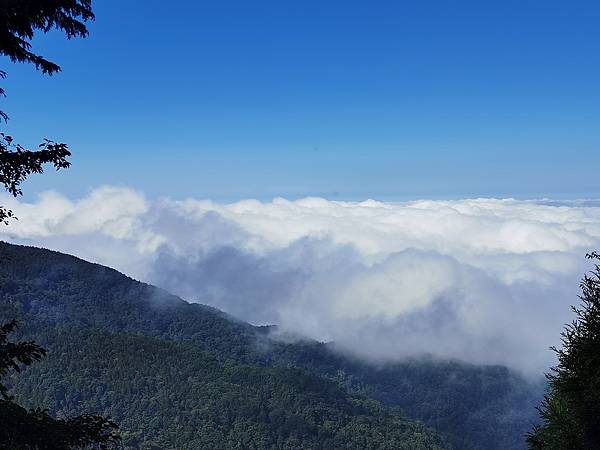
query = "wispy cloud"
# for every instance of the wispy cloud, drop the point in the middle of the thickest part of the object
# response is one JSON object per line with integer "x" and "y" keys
{"x": 484, "y": 280}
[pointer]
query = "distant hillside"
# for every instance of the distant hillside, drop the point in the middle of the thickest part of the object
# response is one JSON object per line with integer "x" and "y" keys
{"x": 179, "y": 375}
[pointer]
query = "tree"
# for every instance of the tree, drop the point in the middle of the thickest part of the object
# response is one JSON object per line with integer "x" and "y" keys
{"x": 19, "y": 21}
{"x": 570, "y": 412}
{"x": 22, "y": 429}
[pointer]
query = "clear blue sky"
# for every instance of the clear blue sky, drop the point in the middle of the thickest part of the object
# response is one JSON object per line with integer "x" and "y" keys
{"x": 342, "y": 99}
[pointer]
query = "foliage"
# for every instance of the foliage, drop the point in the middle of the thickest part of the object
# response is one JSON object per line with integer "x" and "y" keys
{"x": 570, "y": 411}
{"x": 21, "y": 428}
{"x": 19, "y": 20}
{"x": 16, "y": 163}
{"x": 73, "y": 307}
{"x": 474, "y": 407}
{"x": 173, "y": 395}
{"x": 163, "y": 389}
{"x": 35, "y": 429}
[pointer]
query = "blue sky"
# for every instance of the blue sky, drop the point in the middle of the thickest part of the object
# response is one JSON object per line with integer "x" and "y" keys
{"x": 389, "y": 100}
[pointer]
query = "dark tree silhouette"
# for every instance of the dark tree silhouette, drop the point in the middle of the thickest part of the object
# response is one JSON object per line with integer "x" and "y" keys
{"x": 16, "y": 163}
{"x": 22, "y": 429}
{"x": 19, "y": 21}
{"x": 570, "y": 412}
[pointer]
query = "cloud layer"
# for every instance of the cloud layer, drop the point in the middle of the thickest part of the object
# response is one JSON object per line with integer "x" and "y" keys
{"x": 484, "y": 280}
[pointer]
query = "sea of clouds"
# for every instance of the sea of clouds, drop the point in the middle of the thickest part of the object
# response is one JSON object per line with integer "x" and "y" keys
{"x": 482, "y": 280}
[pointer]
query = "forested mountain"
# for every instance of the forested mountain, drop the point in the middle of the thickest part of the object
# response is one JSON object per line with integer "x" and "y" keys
{"x": 180, "y": 375}
{"x": 475, "y": 407}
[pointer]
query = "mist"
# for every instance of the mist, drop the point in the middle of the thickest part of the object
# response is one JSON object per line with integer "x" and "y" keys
{"x": 481, "y": 280}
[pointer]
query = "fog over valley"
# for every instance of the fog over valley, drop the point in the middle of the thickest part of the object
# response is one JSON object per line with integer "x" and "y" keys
{"x": 481, "y": 280}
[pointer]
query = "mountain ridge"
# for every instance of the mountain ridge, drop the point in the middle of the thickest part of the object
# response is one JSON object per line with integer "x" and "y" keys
{"x": 47, "y": 289}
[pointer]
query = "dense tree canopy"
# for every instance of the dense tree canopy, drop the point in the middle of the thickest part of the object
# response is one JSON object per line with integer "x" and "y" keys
{"x": 119, "y": 347}
{"x": 19, "y": 21}
{"x": 570, "y": 412}
{"x": 140, "y": 355}
{"x": 22, "y": 429}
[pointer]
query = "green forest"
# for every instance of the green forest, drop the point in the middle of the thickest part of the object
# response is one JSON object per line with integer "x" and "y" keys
{"x": 176, "y": 375}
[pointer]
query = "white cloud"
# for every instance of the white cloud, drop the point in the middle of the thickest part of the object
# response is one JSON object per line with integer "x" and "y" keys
{"x": 484, "y": 280}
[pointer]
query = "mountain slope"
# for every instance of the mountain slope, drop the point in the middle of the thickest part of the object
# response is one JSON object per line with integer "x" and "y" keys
{"x": 128, "y": 350}
{"x": 171, "y": 395}
{"x": 474, "y": 407}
